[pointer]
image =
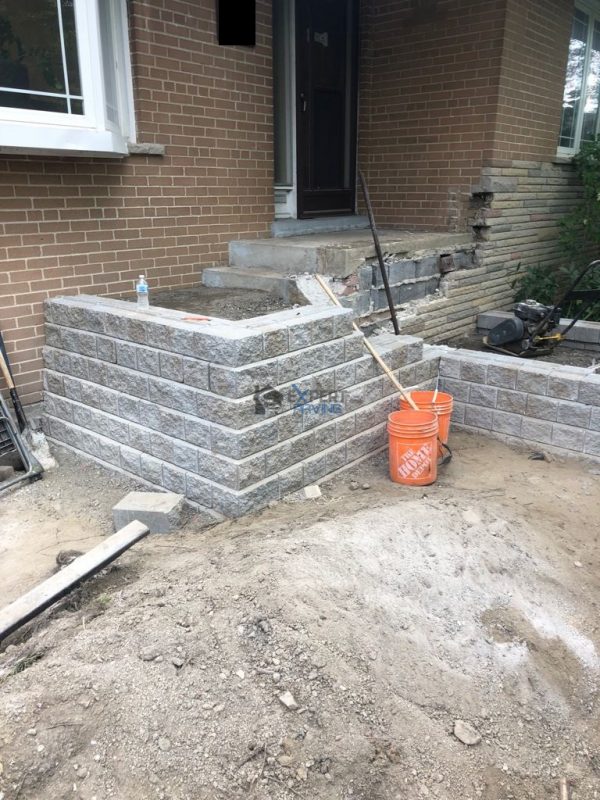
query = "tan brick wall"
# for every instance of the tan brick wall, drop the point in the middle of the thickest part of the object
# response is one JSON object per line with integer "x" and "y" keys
{"x": 71, "y": 225}
{"x": 532, "y": 76}
{"x": 528, "y": 190}
{"x": 429, "y": 95}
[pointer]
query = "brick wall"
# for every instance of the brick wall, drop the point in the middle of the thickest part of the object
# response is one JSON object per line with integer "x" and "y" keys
{"x": 429, "y": 96}
{"x": 532, "y": 76}
{"x": 525, "y": 189}
{"x": 73, "y": 225}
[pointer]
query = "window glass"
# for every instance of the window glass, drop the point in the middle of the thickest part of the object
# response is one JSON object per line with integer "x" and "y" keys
{"x": 108, "y": 62}
{"x": 592, "y": 89}
{"x": 574, "y": 79}
{"x": 38, "y": 56}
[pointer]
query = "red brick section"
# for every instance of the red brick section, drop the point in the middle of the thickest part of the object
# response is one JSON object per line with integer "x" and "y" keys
{"x": 70, "y": 225}
{"x": 429, "y": 100}
{"x": 532, "y": 77}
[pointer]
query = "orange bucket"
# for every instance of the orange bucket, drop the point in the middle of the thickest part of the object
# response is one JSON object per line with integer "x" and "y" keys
{"x": 413, "y": 447}
{"x": 442, "y": 407}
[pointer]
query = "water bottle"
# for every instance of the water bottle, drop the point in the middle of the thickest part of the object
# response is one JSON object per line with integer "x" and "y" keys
{"x": 141, "y": 289}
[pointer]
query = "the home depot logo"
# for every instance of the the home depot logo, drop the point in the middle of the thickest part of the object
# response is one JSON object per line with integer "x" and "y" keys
{"x": 415, "y": 463}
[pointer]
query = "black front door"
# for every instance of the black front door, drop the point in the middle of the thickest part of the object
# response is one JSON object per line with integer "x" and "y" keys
{"x": 326, "y": 105}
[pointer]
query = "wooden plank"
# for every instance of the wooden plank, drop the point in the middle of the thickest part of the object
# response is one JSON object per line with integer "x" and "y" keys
{"x": 41, "y": 597}
{"x": 406, "y": 395}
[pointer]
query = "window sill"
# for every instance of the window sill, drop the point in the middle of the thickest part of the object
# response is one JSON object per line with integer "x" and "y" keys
{"x": 64, "y": 141}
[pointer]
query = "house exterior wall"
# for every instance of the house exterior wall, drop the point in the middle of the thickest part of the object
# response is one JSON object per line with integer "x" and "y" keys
{"x": 525, "y": 190}
{"x": 460, "y": 116}
{"x": 92, "y": 225}
{"x": 429, "y": 99}
{"x": 459, "y": 112}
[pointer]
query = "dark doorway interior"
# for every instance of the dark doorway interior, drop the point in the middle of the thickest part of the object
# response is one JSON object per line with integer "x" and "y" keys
{"x": 326, "y": 106}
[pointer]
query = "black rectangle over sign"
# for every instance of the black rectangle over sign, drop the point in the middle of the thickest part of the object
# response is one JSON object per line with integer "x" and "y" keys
{"x": 236, "y": 22}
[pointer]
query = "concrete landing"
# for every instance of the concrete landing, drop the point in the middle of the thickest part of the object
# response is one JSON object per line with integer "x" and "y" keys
{"x": 299, "y": 227}
{"x": 339, "y": 253}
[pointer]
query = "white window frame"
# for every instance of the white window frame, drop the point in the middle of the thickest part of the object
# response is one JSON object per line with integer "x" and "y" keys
{"x": 46, "y": 132}
{"x": 593, "y": 12}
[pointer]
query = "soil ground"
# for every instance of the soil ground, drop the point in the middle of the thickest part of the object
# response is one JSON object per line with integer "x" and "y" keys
{"x": 224, "y": 303}
{"x": 562, "y": 354}
{"x": 387, "y": 612}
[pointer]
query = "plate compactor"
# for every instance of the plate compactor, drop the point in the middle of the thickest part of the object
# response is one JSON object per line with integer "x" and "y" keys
{"x": 530, "y": 332}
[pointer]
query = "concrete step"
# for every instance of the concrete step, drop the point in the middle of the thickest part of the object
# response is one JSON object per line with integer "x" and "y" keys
{"x": 299, "y": 227}
{"x": 339, "y": 254}
{"x": 263, "y": 280}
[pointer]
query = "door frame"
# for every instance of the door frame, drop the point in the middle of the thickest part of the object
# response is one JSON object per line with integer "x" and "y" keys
{"x": 286, "y": 193}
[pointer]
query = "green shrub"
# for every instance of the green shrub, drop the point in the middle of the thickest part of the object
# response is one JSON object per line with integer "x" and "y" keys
{"x": 580, "y": 235}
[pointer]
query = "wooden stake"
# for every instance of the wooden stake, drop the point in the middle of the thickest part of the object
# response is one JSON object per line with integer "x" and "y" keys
{"x": 406, "y": 395}
{"x": 564, "y": 789}
{"x": 52, "y": 589}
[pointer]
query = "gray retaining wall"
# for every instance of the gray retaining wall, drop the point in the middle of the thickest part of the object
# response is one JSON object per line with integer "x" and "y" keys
{"x": 230, "y": 414}
{"x": 538, "y": 402}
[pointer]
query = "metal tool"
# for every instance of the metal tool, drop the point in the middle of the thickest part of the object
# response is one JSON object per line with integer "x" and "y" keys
{"x": 384, "y": 275}
{"x": 11, "y": 441}
{"x": 529, "y": 333}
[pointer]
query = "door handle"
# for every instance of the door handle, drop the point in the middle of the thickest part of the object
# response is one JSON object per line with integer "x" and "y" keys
{"x": 303, "y": 103}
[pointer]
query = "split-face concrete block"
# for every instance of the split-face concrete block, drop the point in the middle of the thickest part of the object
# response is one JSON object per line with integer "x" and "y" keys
{"x": 450, "y": 367}
{"x": 502, "y": 376}
{"x": 536, "y": 430}
{"x": 532, "y": 381}
{"x": 170, "y": 366}
{"x": 542, "y": 407}
{"x": 563, "y": 386}
{"x": 483, "y": 395}
{"x": 473, "y": 371}
{"x": 513, "y": 402}
{"x": 592, "y": 443}
{"x": 504, "y": 422}
{"x": 174, "y": 479}
{"x": 576, "y": 414}
{"x": 568, "y": 437}
{"x": 479, "y": 417}
{"x": 458, "y": 389}
{"x": 589, "y": 390}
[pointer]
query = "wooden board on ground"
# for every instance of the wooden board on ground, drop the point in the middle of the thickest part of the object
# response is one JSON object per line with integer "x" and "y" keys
{"x": 45, "y": 594}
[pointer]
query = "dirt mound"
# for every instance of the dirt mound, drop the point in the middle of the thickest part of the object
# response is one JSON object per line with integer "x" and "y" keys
{"x": 325, "y": 650}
